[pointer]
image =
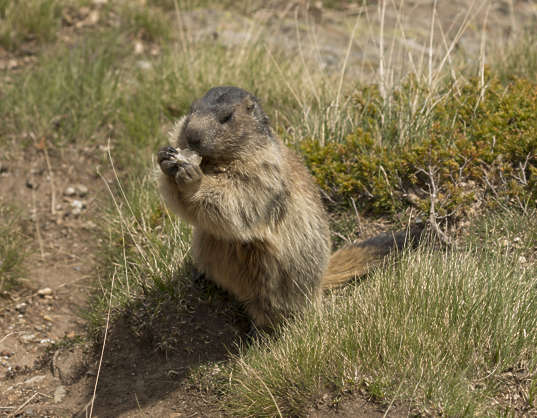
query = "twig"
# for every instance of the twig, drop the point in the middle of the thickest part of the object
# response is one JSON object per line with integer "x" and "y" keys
{"x": 51, "y": 179}
{"x": 104, "y": 344}
{"x": 342, "y": 237}
{"x": 9, "y": 335}
{"x": 37, "y": 228}
{"x": 382, "y": 6}
{"x": 346, "y": 60}
{"x": 302, "y": 58}
{"x": 482, "y": 86}
{"x": 358, "y": 218}
{"x": 23, "y": 405}
{"x": 522, "y": 167}
{"x": 432, "y": 211}
{"x": 431, "y": 37}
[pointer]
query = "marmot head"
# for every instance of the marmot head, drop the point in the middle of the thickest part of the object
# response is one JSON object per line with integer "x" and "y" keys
{"x": 224, "y": 123}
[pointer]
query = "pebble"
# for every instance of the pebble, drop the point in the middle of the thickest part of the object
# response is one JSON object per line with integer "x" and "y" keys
{"x": 21, "y": 307}
{"x": 59, "y": 394}
{"x": 30, "y": 184}
{"x": 144, "y": 65}
{"x": 69, "y": 191}
{"x": 27, "y": 338}
{"x": 77, "y": 205}
{"x": 77, "y": 189}
{"x": 35, "y": 379}
{"x": 46, "y": 291}
{"x": 81, "y": 190}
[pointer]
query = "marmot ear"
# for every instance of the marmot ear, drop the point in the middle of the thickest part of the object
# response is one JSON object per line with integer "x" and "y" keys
{"x": 249, "y": 104}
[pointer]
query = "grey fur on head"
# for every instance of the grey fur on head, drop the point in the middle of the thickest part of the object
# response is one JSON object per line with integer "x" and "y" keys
{"x": 220, "y": 96}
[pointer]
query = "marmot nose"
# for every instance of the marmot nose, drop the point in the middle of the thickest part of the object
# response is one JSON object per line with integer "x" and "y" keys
{"x": 193, "y": 136}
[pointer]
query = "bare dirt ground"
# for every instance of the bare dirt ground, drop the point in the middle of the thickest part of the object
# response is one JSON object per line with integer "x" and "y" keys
{"x": 61, "y": 197}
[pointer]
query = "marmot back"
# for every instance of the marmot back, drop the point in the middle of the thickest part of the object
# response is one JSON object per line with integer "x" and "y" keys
{"x": 259, "y": 228}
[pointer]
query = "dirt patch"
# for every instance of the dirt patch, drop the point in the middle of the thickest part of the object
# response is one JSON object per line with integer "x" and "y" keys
{"x": 149, "y": 357}
{"x": 149, "y": 351}
{"x": 46, "y": 308}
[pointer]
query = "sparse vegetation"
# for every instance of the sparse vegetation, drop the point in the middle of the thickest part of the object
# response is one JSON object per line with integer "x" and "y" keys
{"x": 37, "y": 20}
{"x": 152, "y": 253}
{"x": 13, "y": 244}
{"x": 448, "y": 332}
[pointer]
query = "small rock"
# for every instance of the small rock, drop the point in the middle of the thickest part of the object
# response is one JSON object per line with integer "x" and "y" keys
{"x": 69, "y": 191}
{"x": 93, "y": 17}
{"x": 143, "y": 65}
{"x": 21, "y": 307}
{"x": 30, "y": 184}
{"x": 59, "y": 394}
{"x": 12, "y": 63}
{"x": 138, "y": 48}
{"x": 46, "y": 291}
{"x": 35, "y": 379}
{"x": 522, "y": 259}
{"x": 46, "y": 341}
{"x": 69, "y": 365}
{"x": 78, "y": 204}
{"x": 81, "y": 190}
{"x": 89, "y": 225}
{"x": 47, "y": 318}
{"x": 27, "y": 338}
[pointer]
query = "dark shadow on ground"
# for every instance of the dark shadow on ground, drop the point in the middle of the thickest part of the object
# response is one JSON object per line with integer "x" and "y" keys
{"x": 152, "y": 348}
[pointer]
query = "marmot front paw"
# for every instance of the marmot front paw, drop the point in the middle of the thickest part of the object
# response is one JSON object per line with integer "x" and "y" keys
{"x": 188, "y": 174}
{"x": 167, "y": 161}
{"x": 183, "y": 165}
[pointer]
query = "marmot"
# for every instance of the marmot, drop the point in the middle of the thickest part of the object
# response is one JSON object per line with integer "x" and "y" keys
{"x": 259, "y": 227}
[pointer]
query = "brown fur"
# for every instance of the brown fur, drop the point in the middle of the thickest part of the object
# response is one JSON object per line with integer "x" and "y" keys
{"x": 260, "y": 230}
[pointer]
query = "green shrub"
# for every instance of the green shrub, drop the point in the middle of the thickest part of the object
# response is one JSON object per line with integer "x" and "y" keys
{"x": 477, "y": 146}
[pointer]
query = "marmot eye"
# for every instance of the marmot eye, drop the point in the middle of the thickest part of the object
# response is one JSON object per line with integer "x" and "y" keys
{"x": 225, "y": 116}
